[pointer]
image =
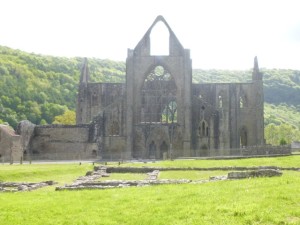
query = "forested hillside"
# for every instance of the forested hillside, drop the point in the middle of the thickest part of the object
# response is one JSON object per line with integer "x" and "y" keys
{"x": 39, "y": 87}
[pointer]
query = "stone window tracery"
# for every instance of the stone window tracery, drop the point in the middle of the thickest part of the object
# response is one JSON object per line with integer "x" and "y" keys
{"x": 158, "y": 97}
{"x": 203, "y": 129}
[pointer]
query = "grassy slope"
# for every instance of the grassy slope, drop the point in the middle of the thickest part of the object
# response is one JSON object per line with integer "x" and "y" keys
{"x": 282, "y": 114}
{"x": 252, "y": 201}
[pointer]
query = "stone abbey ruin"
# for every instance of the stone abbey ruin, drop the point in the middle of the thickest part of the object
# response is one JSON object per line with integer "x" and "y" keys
{"x": 158, "y": 113}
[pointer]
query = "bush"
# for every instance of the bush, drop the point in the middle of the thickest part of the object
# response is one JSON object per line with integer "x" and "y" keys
{"x": 282, "y": 141}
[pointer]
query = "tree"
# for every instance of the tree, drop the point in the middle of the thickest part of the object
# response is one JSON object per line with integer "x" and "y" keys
{"x": 282, "y": 141}
{"x": 281, "y": 134}
{"x": 67, "y": 118}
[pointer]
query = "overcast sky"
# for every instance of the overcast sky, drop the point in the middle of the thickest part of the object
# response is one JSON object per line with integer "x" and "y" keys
{"x": 221, "y": 34}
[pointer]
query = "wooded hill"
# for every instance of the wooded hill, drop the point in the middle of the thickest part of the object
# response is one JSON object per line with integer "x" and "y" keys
{"x": 39, "y": 87}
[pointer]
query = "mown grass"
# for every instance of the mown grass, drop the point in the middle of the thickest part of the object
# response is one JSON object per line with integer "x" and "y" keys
{"x": 62, "y": 173}
{"x": 125, "y": 176}
{"x": 191, "y": 175}
{"x": 252, "y": 201}
{"x": 287, "y": 161}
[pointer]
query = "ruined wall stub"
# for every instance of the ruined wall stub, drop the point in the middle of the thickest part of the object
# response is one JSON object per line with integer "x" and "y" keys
{"x": 10, "y": 145}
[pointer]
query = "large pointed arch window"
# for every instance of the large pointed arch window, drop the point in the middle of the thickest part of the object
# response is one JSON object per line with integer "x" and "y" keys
{"x": 158, "y": 103}
{"x": 169, "y": 114}
{"x": 159, "y": 39}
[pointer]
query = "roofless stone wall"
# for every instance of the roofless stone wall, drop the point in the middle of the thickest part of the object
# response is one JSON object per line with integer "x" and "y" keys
{"x": 62, "y": 142}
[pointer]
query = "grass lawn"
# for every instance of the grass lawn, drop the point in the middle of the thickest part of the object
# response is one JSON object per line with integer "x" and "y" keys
{"x": 252, "y": 201}
{"x": 287, "y": 161}
{"x": 62, "y": 173}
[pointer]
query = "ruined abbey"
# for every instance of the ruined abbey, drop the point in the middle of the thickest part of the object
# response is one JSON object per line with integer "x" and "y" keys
{"x": 157, "y": 113}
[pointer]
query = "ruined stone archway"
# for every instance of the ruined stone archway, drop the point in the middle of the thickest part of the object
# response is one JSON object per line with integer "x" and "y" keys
{"x": 152, "y": 150}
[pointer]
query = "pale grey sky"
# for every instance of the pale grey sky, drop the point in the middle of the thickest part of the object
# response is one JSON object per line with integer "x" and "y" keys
{"x": 221, "y": 34}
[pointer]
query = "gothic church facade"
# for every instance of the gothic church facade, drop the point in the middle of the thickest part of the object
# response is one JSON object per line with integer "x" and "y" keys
{"x": 160, "y": 113}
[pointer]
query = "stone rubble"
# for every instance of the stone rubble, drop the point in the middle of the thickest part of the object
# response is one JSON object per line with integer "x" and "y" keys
{"x": 218, "y": 178}
{"x": 88, "y": 181}
{"x": 23, "y": 186}
{"x": 254, "y": 173}
{"x": 153, "y": 175}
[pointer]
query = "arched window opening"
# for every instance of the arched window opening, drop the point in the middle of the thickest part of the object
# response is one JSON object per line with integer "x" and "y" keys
{"x": 158, "y": 97}
{"x": 163, "y": 149}
{"x": 203, "y": 129}
{"x": 243, "y": 101}
{"x": 220, "y": 101}
{"x": 169, "y": 114}
{"x": 159, "y": 40}
{"x": 243, "y": 137}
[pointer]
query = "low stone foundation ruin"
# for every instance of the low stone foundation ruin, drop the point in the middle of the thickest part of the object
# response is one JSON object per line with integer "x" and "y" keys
{"x": 23, "y": 186}
{"x": 88, "y": 181}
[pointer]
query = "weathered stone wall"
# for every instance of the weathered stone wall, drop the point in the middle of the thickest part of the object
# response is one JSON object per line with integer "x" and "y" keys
{"x": 295, "y": 146}
{"x": 95, "y": 97}
{"x": 266, "y": 150}
{"x": 114, "y": 148}
{"x": 63, "y": 142}
{"x": 222, "y": 114}
{"x": 10, "y": 149}
{"x": 26, "y": 130}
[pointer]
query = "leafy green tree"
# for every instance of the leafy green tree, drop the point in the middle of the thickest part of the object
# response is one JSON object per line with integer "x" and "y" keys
{"x": 282, "y": 141}
{"x": 67, "y": 118}
{"x": 43, "y": 122}
{"x": 281, "y": 134}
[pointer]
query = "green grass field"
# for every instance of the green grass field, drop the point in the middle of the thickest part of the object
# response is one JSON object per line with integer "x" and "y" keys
{"x": 252, "y": 201}
{"x": 288, "y": 161}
